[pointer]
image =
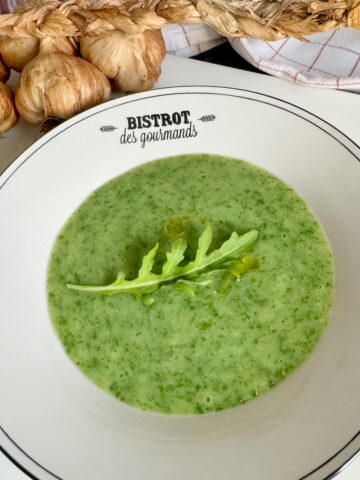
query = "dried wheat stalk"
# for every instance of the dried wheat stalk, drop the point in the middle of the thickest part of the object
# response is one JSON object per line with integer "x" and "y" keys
{"x": 264, "y": 19}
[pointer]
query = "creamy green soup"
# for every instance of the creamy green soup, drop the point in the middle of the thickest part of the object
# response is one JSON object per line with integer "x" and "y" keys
{"x": 187, "y": 354}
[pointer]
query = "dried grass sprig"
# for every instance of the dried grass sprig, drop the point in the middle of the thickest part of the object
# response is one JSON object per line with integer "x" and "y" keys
{"x": 265, "y": 19}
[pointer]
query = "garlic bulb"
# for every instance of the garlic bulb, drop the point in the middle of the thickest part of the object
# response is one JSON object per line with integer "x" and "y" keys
{"x": 59, "y": 85}
{"x": 17, "y": 52}
{"x": 4, "y": 72}
{"x": 132, "y": 61}
{"x": 8, "y": 113}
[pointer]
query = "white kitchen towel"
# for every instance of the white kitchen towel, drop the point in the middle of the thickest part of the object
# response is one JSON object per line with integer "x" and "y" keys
{"x": 328, "y": 60}
{"x": 190, "y": 40}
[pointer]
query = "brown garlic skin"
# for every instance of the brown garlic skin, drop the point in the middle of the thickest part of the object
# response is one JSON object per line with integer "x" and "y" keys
{"x": 17, "y": 52}
{"x": 4, "y": 72}
{"x": 59, "y": 85}
{"x": 58, "y": 44}
{"x": 133, "y": 62}
{"x": 8, "y": 113}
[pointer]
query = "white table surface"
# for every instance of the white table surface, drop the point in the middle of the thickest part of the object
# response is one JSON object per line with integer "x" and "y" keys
{"x": 339, "y": 108}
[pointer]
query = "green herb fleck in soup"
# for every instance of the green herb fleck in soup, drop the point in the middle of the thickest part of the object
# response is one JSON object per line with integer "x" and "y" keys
{"x": 220, "y": 338}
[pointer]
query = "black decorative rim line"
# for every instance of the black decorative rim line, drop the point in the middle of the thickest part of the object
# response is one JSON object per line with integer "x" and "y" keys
{"x": 337, "y": 470}
{"x": 21, "y": 467}
{"x": 117, "y": 104}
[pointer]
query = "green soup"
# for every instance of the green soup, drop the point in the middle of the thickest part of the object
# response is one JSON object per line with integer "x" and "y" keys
{"x": 191, "y": 354}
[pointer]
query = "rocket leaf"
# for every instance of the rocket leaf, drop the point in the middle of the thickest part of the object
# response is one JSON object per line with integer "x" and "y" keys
{"x": 228, "y": 257}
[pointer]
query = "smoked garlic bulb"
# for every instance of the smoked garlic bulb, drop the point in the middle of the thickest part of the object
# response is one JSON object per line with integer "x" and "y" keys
{"x": 59, "y": 85}
{"x": 8, "y": 113}
{"x": 17, "y": 52}
{"x": 4, "y": 72}
{"x": 133, "y": 62}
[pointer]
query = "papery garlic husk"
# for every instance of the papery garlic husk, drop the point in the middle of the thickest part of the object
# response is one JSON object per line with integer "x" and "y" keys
{"x": 4, "y": 72}
{"x": 17, "y": 52}
{"x": 133, "y": 62}
{"x": 57, "y": 85}
{"x": 58, "y": 44}
{"x": 8, "y": 113}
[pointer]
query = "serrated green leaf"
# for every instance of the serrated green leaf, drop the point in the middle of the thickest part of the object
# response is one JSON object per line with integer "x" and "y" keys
{"x": 203, "y": 244}
{"x": 148, "y": 263}
{"x": 224, "y": 258}
{"x": 174, "y": 257}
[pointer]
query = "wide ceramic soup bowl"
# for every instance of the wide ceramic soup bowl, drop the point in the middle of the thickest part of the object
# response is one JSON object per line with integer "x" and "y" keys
{"x": 54, "y": 422}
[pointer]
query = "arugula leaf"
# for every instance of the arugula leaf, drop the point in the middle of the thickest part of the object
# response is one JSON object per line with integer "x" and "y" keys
{"x": 228, "y": 257}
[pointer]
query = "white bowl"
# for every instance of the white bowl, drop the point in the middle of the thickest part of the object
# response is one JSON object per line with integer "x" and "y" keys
{"x": 57, "y": 424}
